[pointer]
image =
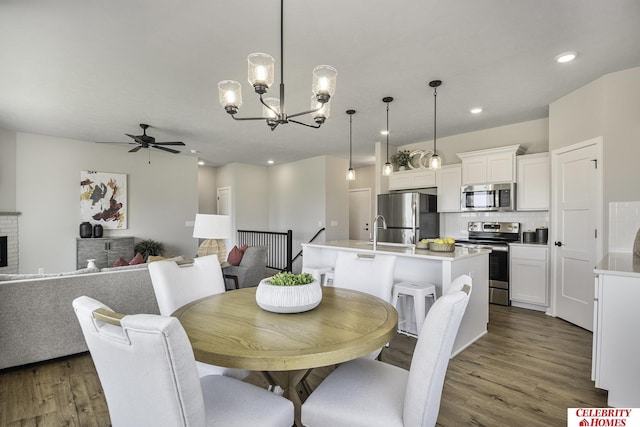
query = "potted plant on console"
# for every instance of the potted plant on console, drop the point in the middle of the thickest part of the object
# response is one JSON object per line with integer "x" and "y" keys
{"x": 289, "y": 293}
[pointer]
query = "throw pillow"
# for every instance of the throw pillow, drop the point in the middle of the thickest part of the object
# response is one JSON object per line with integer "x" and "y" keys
{"x": 235, "y": 256}
{"x": 138, "y": 259}
{"x": 120, "y": 262}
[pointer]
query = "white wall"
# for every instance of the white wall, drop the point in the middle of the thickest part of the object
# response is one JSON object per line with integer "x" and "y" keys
{"x": 162, "y": 196}
{"x": 7, "y": 171}
{"x": 337, "y": 198}
{"x": 607, "y": 107}
{"x": 207, "y": 194}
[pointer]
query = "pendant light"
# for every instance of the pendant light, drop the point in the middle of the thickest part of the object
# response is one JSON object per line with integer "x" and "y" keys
{"x": 434, "y": 161}
{"x": 351, "y": 174}
{"x": 387, "y": 169}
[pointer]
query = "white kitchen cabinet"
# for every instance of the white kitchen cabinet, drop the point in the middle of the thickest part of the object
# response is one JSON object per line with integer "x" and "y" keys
{"x": 529, "y": 274}
{"x": 420, "y": 178}
{"x": 533, "y": 182}
{"x": 616, "y": 349}
{"x": 449, "y": 181}
{"x": 489, "y": 166}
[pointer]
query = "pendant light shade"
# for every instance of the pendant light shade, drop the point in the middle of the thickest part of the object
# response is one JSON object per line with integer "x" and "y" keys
{"x": 351, "y": 174}
{"x": 387, "y": 169}
{"x": 434, "y": 161}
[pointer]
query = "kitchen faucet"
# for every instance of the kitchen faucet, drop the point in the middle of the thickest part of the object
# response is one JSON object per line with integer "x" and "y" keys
{"x": 375, "y": 229}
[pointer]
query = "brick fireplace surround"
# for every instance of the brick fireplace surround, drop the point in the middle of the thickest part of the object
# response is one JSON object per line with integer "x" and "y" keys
{"x": 9, "y": 228}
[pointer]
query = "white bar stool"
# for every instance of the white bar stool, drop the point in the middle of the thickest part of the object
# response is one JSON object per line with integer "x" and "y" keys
{"x": 318, "y": 272}
{"x": 419, "y": 291}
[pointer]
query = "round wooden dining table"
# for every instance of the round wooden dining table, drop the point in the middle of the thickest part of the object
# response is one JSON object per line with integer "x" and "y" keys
{"x": 231, "y": 330}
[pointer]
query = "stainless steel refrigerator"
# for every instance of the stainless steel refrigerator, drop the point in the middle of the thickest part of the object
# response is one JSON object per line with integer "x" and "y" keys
{"x": 409, "y": 217}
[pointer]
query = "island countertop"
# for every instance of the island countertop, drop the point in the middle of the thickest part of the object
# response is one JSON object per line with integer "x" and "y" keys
{"x": 619, "y": 264}
{"x": 394, "y": 249}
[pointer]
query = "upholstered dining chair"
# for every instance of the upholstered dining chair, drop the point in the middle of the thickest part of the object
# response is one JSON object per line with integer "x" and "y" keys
{"x": 371, "y": 393}
{"x": 147, "y": 370}
{"x": 369, "y": 273}
{"x": 176, "y": 286}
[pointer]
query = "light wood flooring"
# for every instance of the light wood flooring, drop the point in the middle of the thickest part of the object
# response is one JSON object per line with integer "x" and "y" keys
{"x": 526, "y": 371}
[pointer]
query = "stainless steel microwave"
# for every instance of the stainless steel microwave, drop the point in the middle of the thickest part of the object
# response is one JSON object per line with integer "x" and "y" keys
{"x": 488, "y": 197}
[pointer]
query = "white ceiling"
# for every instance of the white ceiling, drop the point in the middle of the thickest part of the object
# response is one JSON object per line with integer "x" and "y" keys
{"x": 93, "y": 70}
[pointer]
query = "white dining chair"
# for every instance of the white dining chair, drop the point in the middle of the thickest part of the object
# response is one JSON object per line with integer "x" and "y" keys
{"x": 176, "y": 285}
{"x": 370, "y": 393}
{"x": 146, "y": 366}
{"x": 369, "y": 273}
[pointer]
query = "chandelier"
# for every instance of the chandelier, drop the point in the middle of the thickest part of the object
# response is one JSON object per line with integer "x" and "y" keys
{"x": 261, "y": 77}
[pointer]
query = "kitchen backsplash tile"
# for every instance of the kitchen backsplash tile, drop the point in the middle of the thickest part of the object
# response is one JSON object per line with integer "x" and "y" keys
{"x": 455, "y": 224}
{"x": 624, "y": 222}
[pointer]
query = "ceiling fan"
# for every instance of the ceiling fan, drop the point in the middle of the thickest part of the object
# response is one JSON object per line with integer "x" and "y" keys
{"x": 146, "y": 141}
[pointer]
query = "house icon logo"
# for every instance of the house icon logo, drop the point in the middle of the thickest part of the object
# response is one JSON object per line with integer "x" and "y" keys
{"x": 584, "y": 422}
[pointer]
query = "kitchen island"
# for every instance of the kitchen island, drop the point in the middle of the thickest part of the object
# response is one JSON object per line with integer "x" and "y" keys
{"x": 616, "y": 349}
{"x": 424, "y": 266}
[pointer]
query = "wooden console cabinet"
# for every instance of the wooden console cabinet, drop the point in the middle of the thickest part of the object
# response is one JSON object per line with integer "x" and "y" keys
{"x": 104, "y": 250}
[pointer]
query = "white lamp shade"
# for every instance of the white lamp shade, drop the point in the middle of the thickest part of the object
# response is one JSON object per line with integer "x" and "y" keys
{"x": 212, "y": 227}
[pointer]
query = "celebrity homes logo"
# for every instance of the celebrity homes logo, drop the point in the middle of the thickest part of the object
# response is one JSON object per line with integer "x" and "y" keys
{"x": 603, "y": 417}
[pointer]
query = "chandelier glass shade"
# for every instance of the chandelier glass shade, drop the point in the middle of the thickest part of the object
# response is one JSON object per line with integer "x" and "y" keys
{"x": 261, "y": 72}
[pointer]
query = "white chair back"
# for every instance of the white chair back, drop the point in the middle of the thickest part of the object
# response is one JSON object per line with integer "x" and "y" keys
{"x": 176, "y": 285}
{"x": 431, "y": 357}
{"x": 146, "y": 367}
{"x": 372, "y": 274}
{"x": 459, "y": 283}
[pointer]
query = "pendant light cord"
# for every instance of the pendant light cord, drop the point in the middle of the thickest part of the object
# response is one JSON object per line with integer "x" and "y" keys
{"x": 435, "y": 109}
{"x": 387, "y": 132}
{"x": 350, "y": 133}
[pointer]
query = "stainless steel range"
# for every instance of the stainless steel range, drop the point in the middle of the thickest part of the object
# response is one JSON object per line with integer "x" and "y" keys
{"x": 495, "y": 236}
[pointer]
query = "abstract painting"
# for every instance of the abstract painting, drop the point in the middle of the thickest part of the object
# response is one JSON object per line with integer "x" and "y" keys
{"x": 103, "y": 199}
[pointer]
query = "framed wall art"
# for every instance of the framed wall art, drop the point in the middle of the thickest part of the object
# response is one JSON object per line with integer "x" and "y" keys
{"x": 103, "y": 199}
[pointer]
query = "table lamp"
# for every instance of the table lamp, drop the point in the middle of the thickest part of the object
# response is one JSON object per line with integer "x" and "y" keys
{"x": 213, "y": 228}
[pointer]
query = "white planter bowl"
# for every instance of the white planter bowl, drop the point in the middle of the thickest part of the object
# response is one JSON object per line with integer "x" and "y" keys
{"x": 288, "y": 299}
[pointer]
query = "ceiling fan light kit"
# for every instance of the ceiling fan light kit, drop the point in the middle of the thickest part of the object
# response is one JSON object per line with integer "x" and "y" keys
{"x": 261, "y": 75}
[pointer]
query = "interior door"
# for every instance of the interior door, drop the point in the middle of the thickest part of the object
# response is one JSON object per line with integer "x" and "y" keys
{"x": 225, "y": 208}
{"x": 577, "y": 217}
{"x": 359, "y": 214}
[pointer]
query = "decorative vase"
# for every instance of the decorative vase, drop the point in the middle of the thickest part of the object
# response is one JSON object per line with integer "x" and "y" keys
{"x": 288, "y": 299}
{"x": 91, "y": 263}
{"x": 97, "y": 230}
{"x": 85, "y": 229}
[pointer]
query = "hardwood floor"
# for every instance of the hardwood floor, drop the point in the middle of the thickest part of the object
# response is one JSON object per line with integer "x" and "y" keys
{"x": 527, "y": 370}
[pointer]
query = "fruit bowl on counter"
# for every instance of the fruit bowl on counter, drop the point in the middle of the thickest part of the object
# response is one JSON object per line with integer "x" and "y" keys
{"x": 446, "y": 244}
{"x": 443, "y": 245}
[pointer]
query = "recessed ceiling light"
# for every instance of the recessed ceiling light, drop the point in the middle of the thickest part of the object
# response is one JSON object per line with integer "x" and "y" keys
{"x": 194, "y": 151}
{"x": 476, "y": 110}
{"x": 201, "y": 163}
{"x": 566, "y": 57}
{"x": 384, "y": 132}
{"x": 270, "y": 162}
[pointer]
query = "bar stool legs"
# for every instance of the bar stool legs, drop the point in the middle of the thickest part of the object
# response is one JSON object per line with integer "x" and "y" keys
{"x": 418, "y": 291}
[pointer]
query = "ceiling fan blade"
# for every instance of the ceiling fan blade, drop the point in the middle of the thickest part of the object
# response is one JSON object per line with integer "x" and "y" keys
{"x": 133, "y": 150}
{"x": 170, "y": 143}
{"x": 135, "y": 137}
{"x": 165, "y": 149}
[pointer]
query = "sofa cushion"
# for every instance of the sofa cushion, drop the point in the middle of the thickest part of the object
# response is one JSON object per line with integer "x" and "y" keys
{"x": 120, "y": 262}
{"x": 29, "y": 276}
{"x": 125, "y": 267}
{"x": 236, "y": 254}
{"x": 138, "y": 259}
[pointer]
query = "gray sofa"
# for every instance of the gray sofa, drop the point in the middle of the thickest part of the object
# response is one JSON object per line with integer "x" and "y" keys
{"x": 37, "y": 321}
{"x": 250, "y": 271}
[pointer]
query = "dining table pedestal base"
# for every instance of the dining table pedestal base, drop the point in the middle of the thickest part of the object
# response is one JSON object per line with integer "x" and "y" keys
{"x": 295, "y": 388}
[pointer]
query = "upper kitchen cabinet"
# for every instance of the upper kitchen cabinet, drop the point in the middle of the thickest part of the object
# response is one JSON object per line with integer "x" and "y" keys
{"x": 411, "y": 179}
{"x": 449, "y": 181}
{"x": 533, "y": 182}
{"x": 490, "y": 166}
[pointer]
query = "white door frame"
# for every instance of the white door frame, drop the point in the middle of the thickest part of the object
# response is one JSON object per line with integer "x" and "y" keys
{"x": 554, "y": 220}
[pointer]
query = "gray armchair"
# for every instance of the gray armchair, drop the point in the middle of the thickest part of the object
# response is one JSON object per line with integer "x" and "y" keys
{"x": 250, "y": 271}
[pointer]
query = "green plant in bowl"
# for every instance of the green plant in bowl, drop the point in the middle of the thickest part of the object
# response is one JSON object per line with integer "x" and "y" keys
{"x": 290, "y": 279}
